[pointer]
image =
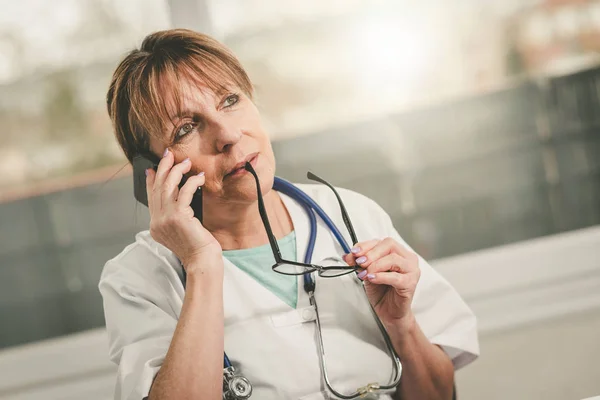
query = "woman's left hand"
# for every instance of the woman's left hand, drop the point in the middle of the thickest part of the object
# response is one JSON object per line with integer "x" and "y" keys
{"x": 390, "y": 272}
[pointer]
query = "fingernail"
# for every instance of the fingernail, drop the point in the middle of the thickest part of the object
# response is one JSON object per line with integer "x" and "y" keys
{"x": 371, "y": 276}
{"x": 362, "y": 274}
{"x": 201, "y": 173}
{"x": 361, "y": 260}
{"x": 355, "y": 250}
{"x": 186, "y": 160}
{"x": 146, "y": 171}
{"x": 166, "y": 152}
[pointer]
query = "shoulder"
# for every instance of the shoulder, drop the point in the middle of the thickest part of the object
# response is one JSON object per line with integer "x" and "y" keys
{"x": 364, "y": 212}
{"x": 140, "y": 265}
{"x": 142, "y": 294}
{"x": 351, "y": 199}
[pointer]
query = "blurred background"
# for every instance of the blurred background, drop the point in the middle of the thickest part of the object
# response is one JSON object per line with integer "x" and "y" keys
{"x": 474, "y": 123}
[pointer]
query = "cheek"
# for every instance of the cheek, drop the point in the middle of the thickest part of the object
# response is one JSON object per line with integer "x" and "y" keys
{"x": 203, "y": 164}
{"x": 193, "y": 150}
{"x": 264, "y": 142}
{"x": 267, "y": 150}
{"x": 255, "y": 130}
{"x": 158, "y": 147}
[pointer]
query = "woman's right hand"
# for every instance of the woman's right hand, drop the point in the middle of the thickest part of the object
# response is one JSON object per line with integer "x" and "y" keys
{"x": 172, "y": 221}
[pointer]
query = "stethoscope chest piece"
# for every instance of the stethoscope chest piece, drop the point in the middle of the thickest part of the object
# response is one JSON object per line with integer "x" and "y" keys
{"x": 235, "y": 386}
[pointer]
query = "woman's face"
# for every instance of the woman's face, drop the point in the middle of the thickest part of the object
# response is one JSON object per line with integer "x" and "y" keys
{"x": 219, "y": 133}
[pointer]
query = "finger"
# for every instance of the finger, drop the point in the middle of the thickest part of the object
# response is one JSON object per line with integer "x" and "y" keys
{"x": 361, "y": 248}
{"x": 403, "y": 250}
{"x": 150, "y": 175}
{"x": 164, "y": 166}
{"x": 170, "y": 187}
{"x": 398, "y": 281}
{"x": 392, "y": 262}
{"x": 381, "y": 249}
{"x": 189, "y": 189}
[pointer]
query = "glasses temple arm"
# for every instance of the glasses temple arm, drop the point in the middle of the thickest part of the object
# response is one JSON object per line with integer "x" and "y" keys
{"x": 263, "y": 215}
{"x": 345, "y": 215}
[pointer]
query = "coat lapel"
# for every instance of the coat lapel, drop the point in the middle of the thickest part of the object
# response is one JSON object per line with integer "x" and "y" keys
{"x": 325, "y": 245}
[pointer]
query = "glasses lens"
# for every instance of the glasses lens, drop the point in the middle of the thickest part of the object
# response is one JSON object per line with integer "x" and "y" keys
{"x": 333, "y": 267}
{"x": 292, "y": 269}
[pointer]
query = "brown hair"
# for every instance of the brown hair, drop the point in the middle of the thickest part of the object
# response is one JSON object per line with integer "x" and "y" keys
{"x": 136, "y": 96}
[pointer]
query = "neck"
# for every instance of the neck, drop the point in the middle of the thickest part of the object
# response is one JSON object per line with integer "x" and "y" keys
{"x": 239, "y": 226}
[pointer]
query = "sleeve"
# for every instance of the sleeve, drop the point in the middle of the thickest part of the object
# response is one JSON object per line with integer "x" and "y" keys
{"x": 444, "y": 317}
{"x": 140, "y": 325}
{"x": 441, "y": 313}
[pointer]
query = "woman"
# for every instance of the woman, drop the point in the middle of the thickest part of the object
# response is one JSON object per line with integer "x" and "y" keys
{"x": 185, "y": 100}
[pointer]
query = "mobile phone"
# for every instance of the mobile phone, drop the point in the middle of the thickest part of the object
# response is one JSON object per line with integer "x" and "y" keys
{"x": 140, "y": 165}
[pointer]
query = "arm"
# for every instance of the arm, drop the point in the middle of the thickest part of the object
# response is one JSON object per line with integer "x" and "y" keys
{"x": 438, "y": 315}
{"x": 427, "y": 372}
{"x": 391, "y": 273}
{"x": 159, "y": 347}
{"x": 193, "y": 366}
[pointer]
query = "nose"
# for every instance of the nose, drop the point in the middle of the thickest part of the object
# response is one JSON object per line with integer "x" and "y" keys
{"x": 227, "y": 134}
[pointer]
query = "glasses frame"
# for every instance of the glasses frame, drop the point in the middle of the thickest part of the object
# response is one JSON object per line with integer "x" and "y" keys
{"x": 371, "y": 387}
{"x": 308, "y": 268}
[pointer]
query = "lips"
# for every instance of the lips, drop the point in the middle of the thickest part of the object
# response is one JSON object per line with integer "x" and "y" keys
{"x": 239, "y": 167}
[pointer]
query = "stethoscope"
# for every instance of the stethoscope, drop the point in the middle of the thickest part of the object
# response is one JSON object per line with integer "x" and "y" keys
{"x": 235, "y": 385}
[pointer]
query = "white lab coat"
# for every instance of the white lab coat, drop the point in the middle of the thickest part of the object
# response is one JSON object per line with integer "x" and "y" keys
{"x": 273, "y": 345}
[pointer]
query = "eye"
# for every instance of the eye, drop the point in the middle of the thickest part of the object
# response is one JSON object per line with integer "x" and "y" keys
{"x": 184, "y": 130}
{"x": 231, "y": 100}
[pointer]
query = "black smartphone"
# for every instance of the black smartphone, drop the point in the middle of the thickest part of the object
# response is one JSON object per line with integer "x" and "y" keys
{"x": 140, "y": 165}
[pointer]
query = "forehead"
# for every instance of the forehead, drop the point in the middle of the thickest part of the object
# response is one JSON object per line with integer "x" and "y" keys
{"x": 185, "y": 93}
{"x": 192, "y": 89}
{"x": 174, "y": 88}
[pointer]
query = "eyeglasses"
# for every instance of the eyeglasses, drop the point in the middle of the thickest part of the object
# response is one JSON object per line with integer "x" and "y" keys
{"x": 329, "y": 269}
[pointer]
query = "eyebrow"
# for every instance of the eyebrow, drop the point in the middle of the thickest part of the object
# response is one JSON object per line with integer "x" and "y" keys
{"x": 187, "y": 112}
{"x": 181, "y": 114}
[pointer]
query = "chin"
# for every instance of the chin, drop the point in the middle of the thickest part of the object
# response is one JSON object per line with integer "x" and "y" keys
{"x": 266, "y": 183}
{"x": 266, "y": 177}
